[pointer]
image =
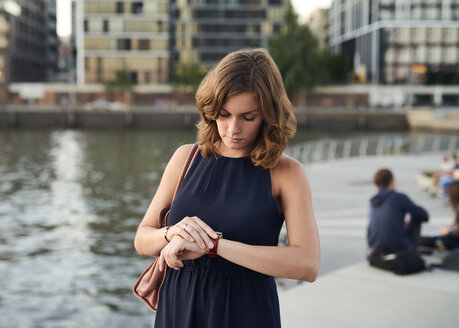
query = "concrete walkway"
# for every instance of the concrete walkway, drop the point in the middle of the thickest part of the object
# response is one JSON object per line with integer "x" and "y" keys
{"x": 361, "y": 296}
{"x": 349, "y": 293}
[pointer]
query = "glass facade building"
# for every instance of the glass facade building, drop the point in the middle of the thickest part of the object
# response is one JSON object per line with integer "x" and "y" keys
{"x": 398, "y": 41}
{"x": 150, "y": 37}
{"x": 206, "y": 30}
{"x": 28, "y": 42}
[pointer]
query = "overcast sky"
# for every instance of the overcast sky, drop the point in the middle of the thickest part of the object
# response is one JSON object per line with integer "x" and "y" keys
{"x": 303, "y": 8}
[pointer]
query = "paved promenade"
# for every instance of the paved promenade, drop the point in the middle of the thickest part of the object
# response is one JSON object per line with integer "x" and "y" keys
{"x": 349, "y": 293}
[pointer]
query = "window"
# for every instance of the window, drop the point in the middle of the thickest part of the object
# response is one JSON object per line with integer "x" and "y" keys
{"x": 119, "y": 7}
{"x": 416, "y": 13}
{"x": 404, "y": 55}
{"x": 134, "y": 77}
{"x": 150, "y": 7}
{"x": 116, "y": 25}
{"x": 113, "y": 44}
{"x": 421, "y": 35}
{"x": 386, "y": 14}
{"x": 141, "y": 26}
{"x": 404, "y": 35}
{"x": 389, "y": 56}
{"x": 435, "y": 55}
{"x": 95, "y": 25}
{"x": 144, "y": 44}
{"x": 124, "y": 44}
{"x": 137, "y": 8}
{"x": 147, "y": 77}
{"x": 386, "y": 2}
{"x": 421, "y": 54}
{"x": 434, "y": 35}
{"x": 450, "y": 55}
{"x": 450, "y": 36}
{"x": 432, "y": 13}
{"x": 97, "y": 44}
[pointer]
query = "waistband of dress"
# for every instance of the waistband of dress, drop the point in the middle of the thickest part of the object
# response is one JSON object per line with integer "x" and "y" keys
{"x": 221, "y": 267}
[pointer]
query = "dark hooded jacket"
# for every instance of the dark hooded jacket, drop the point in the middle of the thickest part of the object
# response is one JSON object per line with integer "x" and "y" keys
{"x": 386, "y": 231}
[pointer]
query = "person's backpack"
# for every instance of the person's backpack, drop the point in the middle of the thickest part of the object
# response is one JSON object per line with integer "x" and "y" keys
{"x": 450, "y": 261}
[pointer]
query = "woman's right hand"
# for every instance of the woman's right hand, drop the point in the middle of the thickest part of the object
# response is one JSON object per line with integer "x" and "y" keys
{"x": 176, "y": 251}
{"x": 193, "y": 229}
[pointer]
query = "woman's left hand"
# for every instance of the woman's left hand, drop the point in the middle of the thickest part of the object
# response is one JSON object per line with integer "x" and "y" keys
{"x": 178, "y": 250}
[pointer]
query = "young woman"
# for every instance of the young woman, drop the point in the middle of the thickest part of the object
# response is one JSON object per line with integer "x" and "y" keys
{"x": 232, "y": 204}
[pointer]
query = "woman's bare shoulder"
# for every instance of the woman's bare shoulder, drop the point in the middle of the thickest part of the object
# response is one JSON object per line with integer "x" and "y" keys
{"x": 287, "y": 174}
{"x": 288, "y": 166}
{"x": 179, "y": 157}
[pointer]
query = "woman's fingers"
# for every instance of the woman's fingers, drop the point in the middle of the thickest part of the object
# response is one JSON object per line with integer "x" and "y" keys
{"x": 200, "y": 236}
{"x": 170, "y": 253}
{"x": 198, "y": 230}
{"x": 181, "y": 231}
{"x": 208, "y": 230}
{"x": 174, "y": 264}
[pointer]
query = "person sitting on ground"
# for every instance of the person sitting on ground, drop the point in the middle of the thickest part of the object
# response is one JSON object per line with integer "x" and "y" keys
{"x": 450, "y": 176}
{"x": 388, "y": 232}
{"x": 449, "y": 236}
{"x": 445, "y": 167}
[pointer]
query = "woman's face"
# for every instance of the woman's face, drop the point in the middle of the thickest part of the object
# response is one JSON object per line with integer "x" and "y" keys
{"x": 239, "y": 124}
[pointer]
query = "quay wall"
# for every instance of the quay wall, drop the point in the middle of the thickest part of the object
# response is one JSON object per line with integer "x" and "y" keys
{"x": 52, "y": 118}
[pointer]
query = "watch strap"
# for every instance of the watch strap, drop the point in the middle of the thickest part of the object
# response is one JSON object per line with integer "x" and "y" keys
{"x": 213, "y": 250}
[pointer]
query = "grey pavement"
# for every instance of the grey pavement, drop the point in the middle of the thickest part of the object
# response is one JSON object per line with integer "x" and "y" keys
{"x": 349, "y": 293}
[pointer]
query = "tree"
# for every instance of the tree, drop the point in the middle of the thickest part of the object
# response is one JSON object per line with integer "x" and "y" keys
{"x": 337, "y": 67}
{"x": 122, "y": 82}
{"x": 297, "y": 54}
{"x": 188, "y": 76}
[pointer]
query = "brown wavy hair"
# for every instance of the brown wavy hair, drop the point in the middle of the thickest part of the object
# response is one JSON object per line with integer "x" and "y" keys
{"x": 248, "y": 70}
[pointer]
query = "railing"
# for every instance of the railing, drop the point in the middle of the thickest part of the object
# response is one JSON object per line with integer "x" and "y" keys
{"x": 324, "y": 150}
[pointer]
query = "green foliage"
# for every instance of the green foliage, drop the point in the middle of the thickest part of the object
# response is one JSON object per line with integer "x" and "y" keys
{"x": 188, "y": 76}
{"x": 337, "y": 68}
{"x": 122, "y": 82}
{"x": 297, "y": 54}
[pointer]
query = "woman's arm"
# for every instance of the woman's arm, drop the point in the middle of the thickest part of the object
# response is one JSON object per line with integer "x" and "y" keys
{"x": 149, "y": 239}
{"x": 301, "y": 259}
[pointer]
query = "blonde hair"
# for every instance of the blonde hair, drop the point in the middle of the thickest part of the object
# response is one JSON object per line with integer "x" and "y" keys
{"x": 248, "y": 70}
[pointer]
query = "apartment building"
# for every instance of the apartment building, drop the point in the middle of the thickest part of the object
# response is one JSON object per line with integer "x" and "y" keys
{"x": 115, "y": 35}
{"x": 398, "y": 41}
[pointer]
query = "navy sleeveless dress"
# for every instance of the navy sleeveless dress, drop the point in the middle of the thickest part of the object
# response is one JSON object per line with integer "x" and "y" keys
{"x": 232, "y": 196}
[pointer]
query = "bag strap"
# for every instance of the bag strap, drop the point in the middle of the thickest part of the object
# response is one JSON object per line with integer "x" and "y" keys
{"x": 189, "y": 160}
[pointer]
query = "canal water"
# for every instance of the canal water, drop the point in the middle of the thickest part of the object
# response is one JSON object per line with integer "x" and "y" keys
{"x": 70, "y": 202}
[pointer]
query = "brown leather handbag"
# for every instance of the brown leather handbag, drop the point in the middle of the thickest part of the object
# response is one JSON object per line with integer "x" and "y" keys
{"x": 150, "y": 281}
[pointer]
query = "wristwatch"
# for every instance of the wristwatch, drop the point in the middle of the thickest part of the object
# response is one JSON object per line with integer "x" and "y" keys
{"x": 213, "y": 250}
